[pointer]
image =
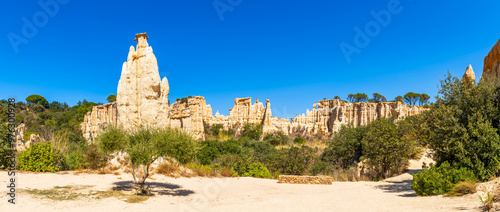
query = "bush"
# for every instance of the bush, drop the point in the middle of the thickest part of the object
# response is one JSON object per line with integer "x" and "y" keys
{"x": 387, "y": 148}
{"x": 345, "y": 147}
{"x": 463, "y": 129}
{"x": 439, "y": 180}
{"x": 299, "y": 140}
{"x": 257, "y": 170}
{"x": 74, "y": 160}
{"x": 95, "y": 158}
{"x": 40, "y": 157}
{"x": 252, "y": 131}
{"x": 5, "y": 148}
{"x": 212, "y": 149}
{"x": 295, "y": 160}
{"x": 462, "y": 188}
{"x": 276, "y": 139}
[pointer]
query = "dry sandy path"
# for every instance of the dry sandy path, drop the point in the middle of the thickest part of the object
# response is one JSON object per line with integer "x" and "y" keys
{"x": 235, "y": 194}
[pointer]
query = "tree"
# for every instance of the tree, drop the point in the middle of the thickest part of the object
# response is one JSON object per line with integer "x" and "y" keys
{"x": 336, "y": 97}
{"x": 399, "y": 99}
{"x": 463, "y": 128}
{"x": 144, "y": 146}
{"x": 424, "y": 98}
{"x": 351, "y": 98}
{"x": 386, "y": 148}
{"x": 378, "y": 98}
{"x": 252, "y": 131}
{"x": 359, "y": 97}
{"x": 411, "y": 98}
{"x": 345, "y": 148}
{"x": 37, "y": 99}
{"x": 111, "y": 98}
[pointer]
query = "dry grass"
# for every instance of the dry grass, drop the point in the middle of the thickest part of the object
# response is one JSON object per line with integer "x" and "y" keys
{"x": 203, "y": 170}
{"x": 344, "y": 175}
{"x": 463, "y": 188}
{"x": 63, "y": 193}
{"x": 167, "y": 168}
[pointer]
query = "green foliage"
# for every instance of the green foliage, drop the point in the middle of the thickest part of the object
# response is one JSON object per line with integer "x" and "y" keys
{"x": 463, "y": 129}
{"x": 359, "y": 97}
{"x": 257, "y": 170}
{"x": 378, "y": 98}
{"x": 299, "y": 140}
{"x": 295, "y": 160}
{"x": 37, "y": 99}
{"x": 345, "y": 147}
{"x": 411, "y": 98}
{"x": 40, "y": 157}
{"x": 277, "y": 138}
{"x": 252, "y": 131}
{"x": 336, "y": 97}
{"x": 399, "y": 99}
{"x": 5, "y": 146}
{"x": 439, "y": 180}
{"x": 27, "y": 135}
{"x": 112, "y": 139}
{"x": 387, "y": 148}
{"x": 111, "y": 98}
{"x": 74, "y": 160}
{"x": 94, "y": 158}
{"x": 211, "y": 149}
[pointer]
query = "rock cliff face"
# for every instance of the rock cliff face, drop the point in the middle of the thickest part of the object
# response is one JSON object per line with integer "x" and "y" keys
{"x": 491, "y": 66}
{"x": 100, "y": 116}
{"x": 331, "y": 114}
{"x": 189, "y": 115}
{"x": 142, "y": 100}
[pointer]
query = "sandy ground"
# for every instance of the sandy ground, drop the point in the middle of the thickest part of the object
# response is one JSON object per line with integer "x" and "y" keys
{"x": 234, "y": 194}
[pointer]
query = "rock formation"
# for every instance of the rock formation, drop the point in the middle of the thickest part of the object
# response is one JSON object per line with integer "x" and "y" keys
{"x": 100, "y": 116}
{"x": 21, "y": 143}
{"x": 331, "y": 114}
{"x": 142, "y": 100}
{"x": 469, "y": 76}
{"x": 142, "y": 97}
{"x": 491, "y": 66}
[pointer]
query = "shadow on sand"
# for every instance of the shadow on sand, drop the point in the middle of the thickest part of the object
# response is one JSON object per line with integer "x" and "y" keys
{"x": 156, "y": 188}
{"x": 402, "y": 186}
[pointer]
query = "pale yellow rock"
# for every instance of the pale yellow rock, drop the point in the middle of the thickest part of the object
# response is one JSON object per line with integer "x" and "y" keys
{"x": 469, "y": 76}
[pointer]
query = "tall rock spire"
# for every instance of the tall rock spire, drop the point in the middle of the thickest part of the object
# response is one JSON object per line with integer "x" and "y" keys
{"x": 469, "y": 75}
{"x": 142, "y": 97}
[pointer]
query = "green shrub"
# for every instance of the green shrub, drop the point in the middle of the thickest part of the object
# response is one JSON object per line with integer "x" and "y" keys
{"x": 294, "y": 160}
{"x": 211, "y": 149}
{"x": 299, "y": 140}
{"x": 252, "y": 131}
{"x": 345, "y": 147}
{"x": 276, "y": 139}
{"x": 40, "y": 157}
{"x": 463, "y": 128}
{"x": 387, "y": 147}
{"x": 95, "y": 158}
{"x": 439, "y": 180}
{"x": 5, "y": 148}
{"x": 74, "y": 160}
{"x": 257, "y": 170}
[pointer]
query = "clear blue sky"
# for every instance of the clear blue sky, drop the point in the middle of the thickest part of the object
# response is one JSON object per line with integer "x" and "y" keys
{"x": 285, "y": 51}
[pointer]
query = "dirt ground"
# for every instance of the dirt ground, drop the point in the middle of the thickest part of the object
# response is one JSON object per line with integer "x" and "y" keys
{"x": 228, "y": 194}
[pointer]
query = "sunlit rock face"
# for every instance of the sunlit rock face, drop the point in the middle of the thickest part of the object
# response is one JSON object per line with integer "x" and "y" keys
{"x": 491, "y": 66}
{"x": 142, "y": 101}
{"x": 142, "y": 96}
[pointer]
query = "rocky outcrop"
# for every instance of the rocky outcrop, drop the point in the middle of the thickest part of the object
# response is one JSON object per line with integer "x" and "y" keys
{"x": 331, "y": 114}
{"x": 21, "y": 143}
{"x": 142, "y": 96}
{"x": 469, "y": 76}
{"x": 189, "y": 115}
{"x": 96, "y": 120}
{"x": 142, "y": 100}
{"x": 491, "y": 66}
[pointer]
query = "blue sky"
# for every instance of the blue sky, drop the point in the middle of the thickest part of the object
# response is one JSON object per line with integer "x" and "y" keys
{"x": 285, "y": 51}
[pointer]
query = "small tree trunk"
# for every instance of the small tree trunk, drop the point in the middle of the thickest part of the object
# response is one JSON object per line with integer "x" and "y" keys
{"x": 140, "y": 173}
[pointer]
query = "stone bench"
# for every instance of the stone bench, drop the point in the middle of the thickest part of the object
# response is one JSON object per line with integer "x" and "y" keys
{"x": 295, "y": 179}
